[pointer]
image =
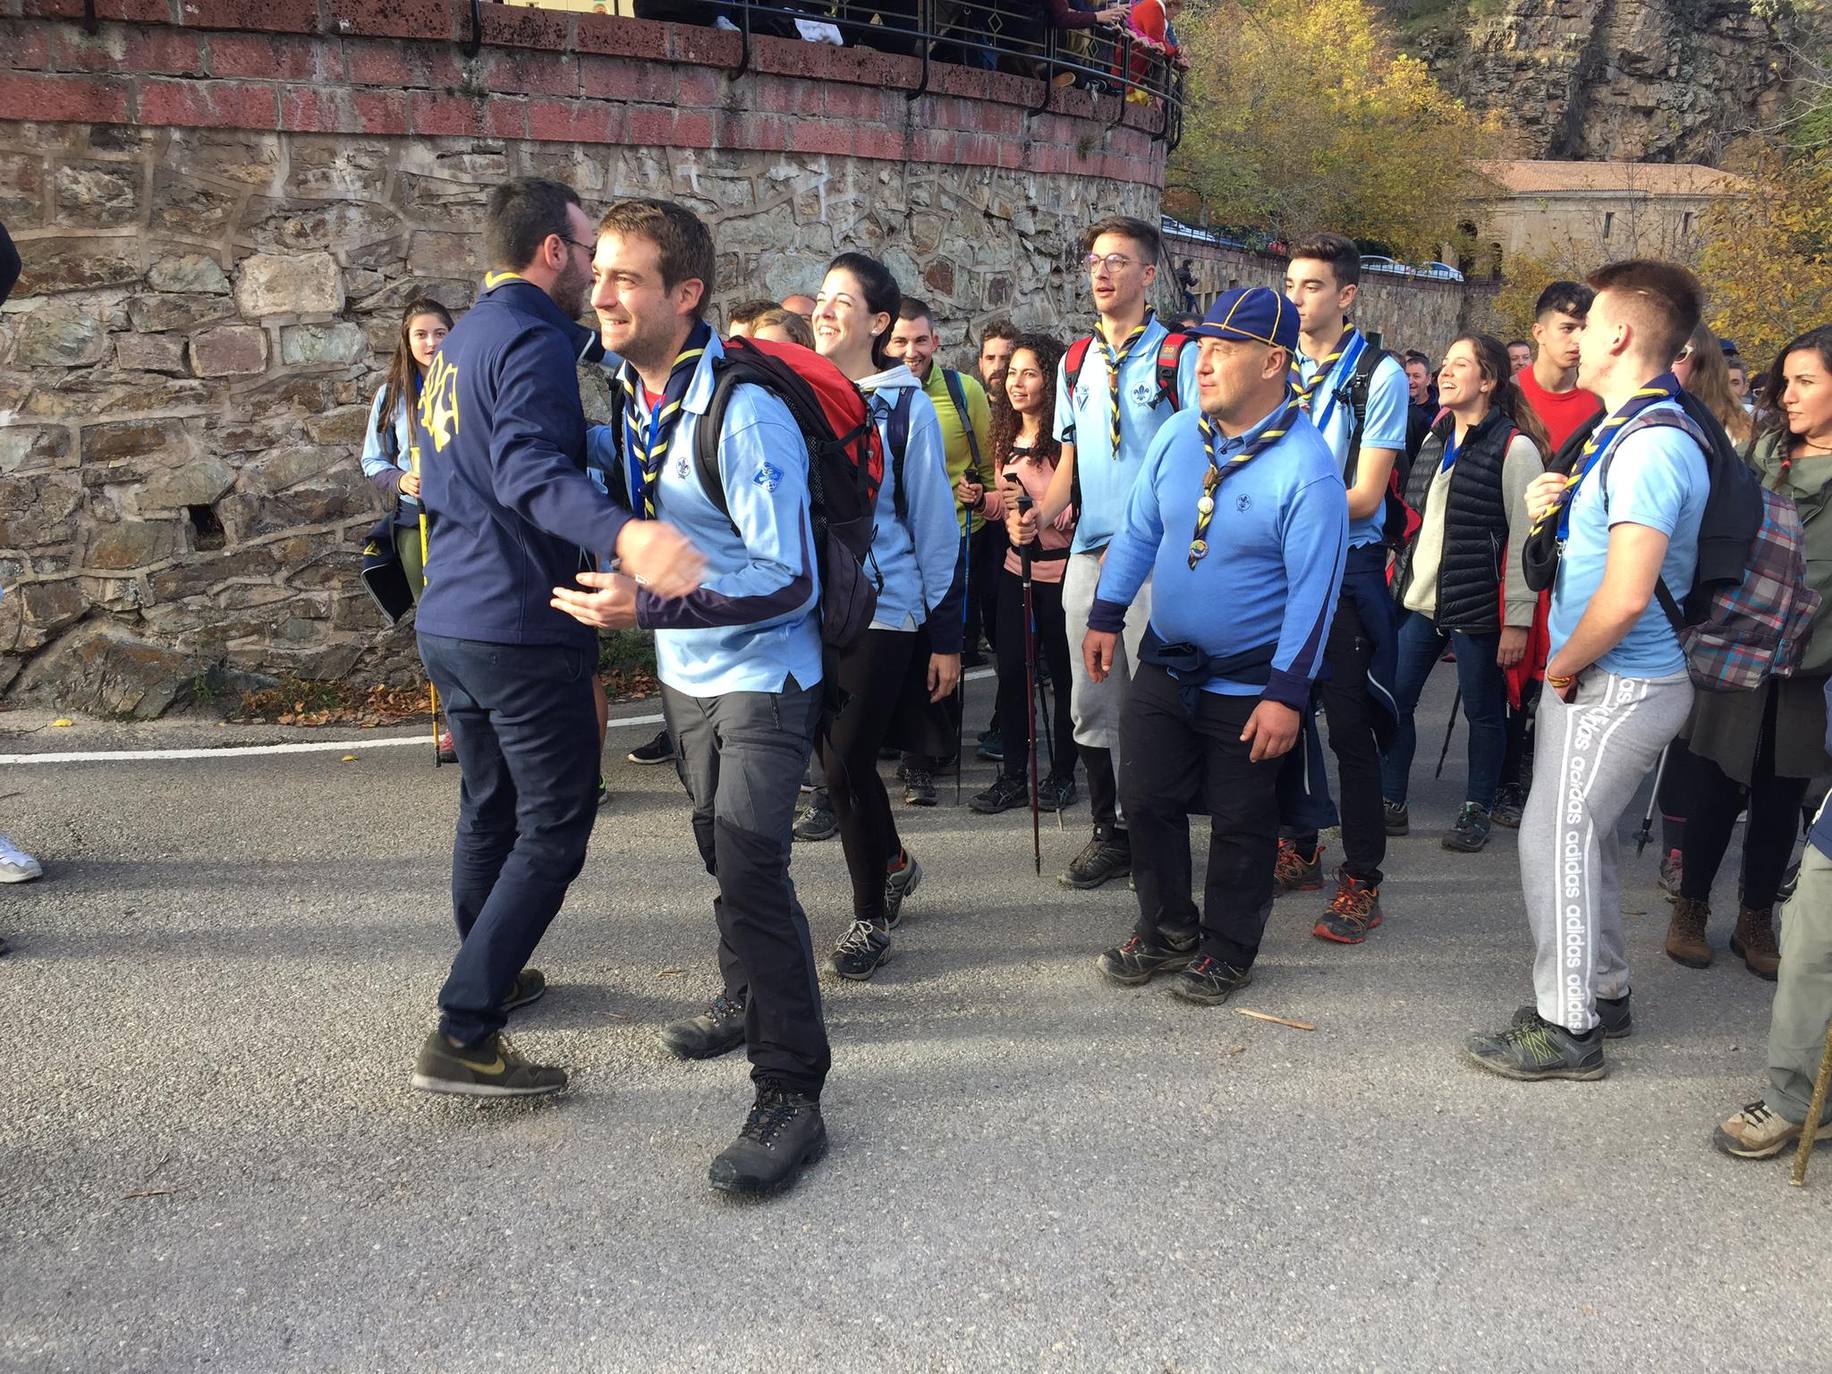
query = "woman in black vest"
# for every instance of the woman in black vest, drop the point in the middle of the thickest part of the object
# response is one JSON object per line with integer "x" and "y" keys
{"x": 1458, "y": 579}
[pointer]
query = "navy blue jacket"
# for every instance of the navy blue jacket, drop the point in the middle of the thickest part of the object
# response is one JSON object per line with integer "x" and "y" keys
{"x": 502, "y": 472}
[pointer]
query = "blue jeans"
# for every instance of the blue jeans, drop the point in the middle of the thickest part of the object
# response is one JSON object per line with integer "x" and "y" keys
{"x": 1485, "y": 700}
{"x": 526, "y": 732}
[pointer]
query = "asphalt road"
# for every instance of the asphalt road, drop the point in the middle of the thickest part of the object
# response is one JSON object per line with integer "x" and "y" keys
{"x": 210, "y": 1157}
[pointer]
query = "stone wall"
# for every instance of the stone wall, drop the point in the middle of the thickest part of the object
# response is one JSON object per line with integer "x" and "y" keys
{"x": 219, "y": 233}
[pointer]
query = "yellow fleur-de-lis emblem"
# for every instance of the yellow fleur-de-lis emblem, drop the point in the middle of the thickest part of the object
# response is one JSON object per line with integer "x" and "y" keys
{"x": 439, "y": 402}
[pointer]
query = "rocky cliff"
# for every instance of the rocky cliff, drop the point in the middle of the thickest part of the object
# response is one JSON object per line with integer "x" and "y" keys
{"x": 1659, "y": 80}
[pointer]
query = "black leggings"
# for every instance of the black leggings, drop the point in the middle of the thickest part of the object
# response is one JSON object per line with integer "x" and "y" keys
{"x": 873, "y": 675}
{"x": 1052, "y": 649}
{"x": 1768, "y": 838}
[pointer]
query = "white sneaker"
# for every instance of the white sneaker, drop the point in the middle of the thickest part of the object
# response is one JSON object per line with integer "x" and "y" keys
{"x": 17, "y": 866}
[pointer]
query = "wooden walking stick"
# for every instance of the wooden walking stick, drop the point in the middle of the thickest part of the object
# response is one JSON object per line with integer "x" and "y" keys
{"x": 1809, "y": 1132}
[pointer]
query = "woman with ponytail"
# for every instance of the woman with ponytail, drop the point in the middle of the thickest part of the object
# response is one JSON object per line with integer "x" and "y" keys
{"x": 1759, "y": 750}
{"x": 891, "y": 680}
{"x": 393, "y": 436}
{"x": 1468, "y": 485}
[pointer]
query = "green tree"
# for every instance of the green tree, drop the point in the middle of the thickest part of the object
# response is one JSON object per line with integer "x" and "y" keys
{"x": 1303, "y": 115}
{"x": 1767, "y": 261}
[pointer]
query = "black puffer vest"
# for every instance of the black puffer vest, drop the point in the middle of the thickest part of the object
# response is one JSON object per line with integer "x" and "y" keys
{"x": 1475, "y": 524}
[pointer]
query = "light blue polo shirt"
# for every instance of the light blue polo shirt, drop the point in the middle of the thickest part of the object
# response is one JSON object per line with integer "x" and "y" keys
{"x": 1657, "y": 478}
{"x": 1333, "y": 414}
{"x": 1084, "y": 419}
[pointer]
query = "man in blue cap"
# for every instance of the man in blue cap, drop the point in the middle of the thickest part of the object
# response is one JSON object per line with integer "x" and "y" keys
{"x": 1240, "y": 518}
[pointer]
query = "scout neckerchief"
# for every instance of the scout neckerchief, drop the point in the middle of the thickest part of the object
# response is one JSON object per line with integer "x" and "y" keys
{"x": 1114, "y": 363}
{"x": 1218, "y": 470}
{"x": 649, "y": 444}
{"x": 1663, "y": 388}
{"x": 1348, "y": 352}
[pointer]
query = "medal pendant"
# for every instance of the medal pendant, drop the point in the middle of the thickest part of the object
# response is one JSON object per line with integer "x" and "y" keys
{"x": 1206, "y": 506}
{"x": 1199, "y": 550}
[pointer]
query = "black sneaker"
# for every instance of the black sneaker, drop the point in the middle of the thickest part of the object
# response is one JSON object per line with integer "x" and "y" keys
{"x": 1003, "y": 795}
{"x": 992, "y": 747}
{"x": 918, "y": 786}
{"x": 1209, "y": 982}
{"x": 1398, "y": 818}
{"x": 1056, "y": 794}
{"x": 1510, "y": 801}
{"x": 490, "y": 1068}
{"x": 863, "y": 947}
{"x": 1136, "y": 962}
{"x": 1613, "y": 1015}
{"x": 658, "y": 750}
{"x": 528, "y": 986}
{"x": 1538, "y": 1050}
{"x": 1105, "y": 857}
{"x": 782, "y": 1135}
{"x": 816, "y": 823}
{"x": 1470, "y": 832}
{"x": 898, "y": 885}
{"x": 717, "y": 1030}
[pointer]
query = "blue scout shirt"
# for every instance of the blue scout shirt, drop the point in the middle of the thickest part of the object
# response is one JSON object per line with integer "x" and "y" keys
{"x": 1085, "y": 420}
{"x": 753, "y": 624}
{"x": 1277, "y": 543}
{"x": 1334, "y": 416}
{"x": 1658, "y": 478}
{"x": 502, "y": 472}
{"x": 917, "y": 556}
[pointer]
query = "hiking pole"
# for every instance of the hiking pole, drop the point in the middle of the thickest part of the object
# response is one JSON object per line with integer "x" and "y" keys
{"x": 960, "y": 688}
{"x": 432, "y": 692}
{"x": 1030, "y": 688}
{"x": 1049, "y": 738}
{"x": 1647, "y": 821}
{"x": 1450, "y": 728}
{"x": 1809, "y": 1131}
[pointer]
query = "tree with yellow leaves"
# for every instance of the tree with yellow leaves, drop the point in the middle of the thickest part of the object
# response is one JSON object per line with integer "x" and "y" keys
{"x": 1767, "y": 261}
{"x": 1303, "y": 115}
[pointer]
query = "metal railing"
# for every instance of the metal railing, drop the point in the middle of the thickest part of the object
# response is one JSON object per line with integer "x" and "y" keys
{"x": 1015, "y": 37}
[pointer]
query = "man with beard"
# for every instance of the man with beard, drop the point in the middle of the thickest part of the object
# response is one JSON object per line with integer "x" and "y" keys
{"x": 509, "y": 509}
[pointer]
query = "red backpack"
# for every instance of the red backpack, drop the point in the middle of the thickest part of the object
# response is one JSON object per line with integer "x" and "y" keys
{"x": 845, "y": 467}
{"x": 1170, "y": 357}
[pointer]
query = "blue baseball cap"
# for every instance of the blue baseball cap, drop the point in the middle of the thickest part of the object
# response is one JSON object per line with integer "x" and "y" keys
{"x": 1257, "y": 314}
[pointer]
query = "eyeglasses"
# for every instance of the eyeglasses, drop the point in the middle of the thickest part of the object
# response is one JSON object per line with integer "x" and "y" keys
{"x": 1685, "y": 355}
{"x": 591, "y": 248}
{"x": 1113, "y": 262}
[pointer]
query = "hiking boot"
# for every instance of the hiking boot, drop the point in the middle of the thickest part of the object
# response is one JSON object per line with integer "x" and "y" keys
{"x": 1105, "y": 857}
{"x": 1398, "y": 818}
{"x": 1672, "y": 869}
{"x": 658, "y": 750}
{"x": 817, "y": 823}
{"x": 1510, "y": 801}
{"x": 1613, "y": 1016}
{"x": 490, "y": 1068}
{"x": 1470, "y": 832}
{"x": 1137, "y": 962}
{"x": 1536, "y": 1050}
{"x": 918, "y": 787}
{"x": 782, "y": 1135}
{"x": 1754, "y": 942}
{"x": 1055, "y": 794}
{"x": 992, "y": 747}
{"x": 864, "y": 946}
{"x": 1686, "y": 943}
{"x": 1004, "y": 794}
{"x": 528, "y": 986}
{"x": 717, "y": 1030}
{"x": 447, "y": 752}
{"x": 1757, "y": 1132}
{"x": 1292, "y": 872}
{"x": 17, "y": 866}
{"x": 899, "y": 883}
{"x": 1352, "y": 913}
{"x": 1209, "y": 982}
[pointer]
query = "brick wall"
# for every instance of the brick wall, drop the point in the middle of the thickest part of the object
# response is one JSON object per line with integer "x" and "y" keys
{"x": 223, "y": 204}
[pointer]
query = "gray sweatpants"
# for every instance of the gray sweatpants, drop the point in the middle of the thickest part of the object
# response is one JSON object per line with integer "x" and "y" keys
{"x": 1096, "y": 705}
{"x": 1803, "y": 992}
{"x": 1589, "y": 759}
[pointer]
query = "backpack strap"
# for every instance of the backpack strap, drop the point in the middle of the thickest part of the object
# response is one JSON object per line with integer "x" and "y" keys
{"x": 897, "y": 430}
{"x": 1170, "y": 366}
{"x": 958, "y": 395}
{"x": 706, "y": 438}
{"x": 1656, "y": 418}
{"x": 1074, "y": 359}
{"x": 1360, "y": 383}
